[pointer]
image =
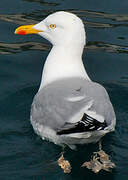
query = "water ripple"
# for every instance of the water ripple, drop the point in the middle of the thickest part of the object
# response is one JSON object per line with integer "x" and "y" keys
{"x": 95, "y": 14}
{"x": 93, "y": 19}
{"x": 12, "y": 48}
{"x": 43, "y": 2}
{"x": 17, "y": 19}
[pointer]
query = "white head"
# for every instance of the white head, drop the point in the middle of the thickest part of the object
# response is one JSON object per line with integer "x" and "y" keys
{"x": 59, "y": 28}
{"x": 66, "y": 32}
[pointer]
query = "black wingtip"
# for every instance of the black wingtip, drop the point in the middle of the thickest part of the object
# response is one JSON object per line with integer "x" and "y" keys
{"x": 86, "y": 124}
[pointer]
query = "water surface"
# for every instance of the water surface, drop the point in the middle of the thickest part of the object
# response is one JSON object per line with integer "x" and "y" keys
{"x": 23, "y": 155}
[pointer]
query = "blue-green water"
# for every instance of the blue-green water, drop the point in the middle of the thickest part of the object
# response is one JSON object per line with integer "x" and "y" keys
{"x": 23, "y": 155}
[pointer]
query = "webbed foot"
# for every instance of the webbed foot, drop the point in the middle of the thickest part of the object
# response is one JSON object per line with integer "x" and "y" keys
{"x": 100, "y": 160}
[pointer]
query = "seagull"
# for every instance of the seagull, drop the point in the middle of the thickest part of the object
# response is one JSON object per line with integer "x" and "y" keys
{"x": 69, "y": 108}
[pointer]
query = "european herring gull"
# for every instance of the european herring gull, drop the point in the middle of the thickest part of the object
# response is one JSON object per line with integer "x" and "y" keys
{"x": 69, "y": 108}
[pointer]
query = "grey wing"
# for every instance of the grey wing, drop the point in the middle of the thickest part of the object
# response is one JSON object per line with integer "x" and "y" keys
{"x": 79, "y": 107}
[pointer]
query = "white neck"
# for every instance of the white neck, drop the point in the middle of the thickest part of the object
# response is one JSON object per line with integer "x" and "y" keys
{"x": 63, "y": 62}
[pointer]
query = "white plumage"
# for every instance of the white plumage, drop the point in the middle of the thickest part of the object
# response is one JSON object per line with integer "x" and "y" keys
{"x": 69, "y": 108}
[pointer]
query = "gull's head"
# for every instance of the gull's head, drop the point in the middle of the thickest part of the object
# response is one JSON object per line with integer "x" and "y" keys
{"x": 58, "y": 28}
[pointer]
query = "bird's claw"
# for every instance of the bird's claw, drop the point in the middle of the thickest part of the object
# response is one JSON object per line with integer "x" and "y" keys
{"x": 64, "y": 164}
{"x": 99, "y": 161}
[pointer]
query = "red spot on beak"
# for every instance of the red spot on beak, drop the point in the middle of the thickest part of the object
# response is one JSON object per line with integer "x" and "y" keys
{"x": 22, "y": 32}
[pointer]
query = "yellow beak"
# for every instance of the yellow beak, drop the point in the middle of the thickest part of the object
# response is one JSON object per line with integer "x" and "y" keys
{"x": 27, "y": 29}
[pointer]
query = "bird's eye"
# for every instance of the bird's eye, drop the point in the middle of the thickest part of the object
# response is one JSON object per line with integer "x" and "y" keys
{"x": 53, "y": 26}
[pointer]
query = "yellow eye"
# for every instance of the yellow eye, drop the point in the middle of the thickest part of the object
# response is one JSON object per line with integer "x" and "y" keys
{"x": 53, "y": 26}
